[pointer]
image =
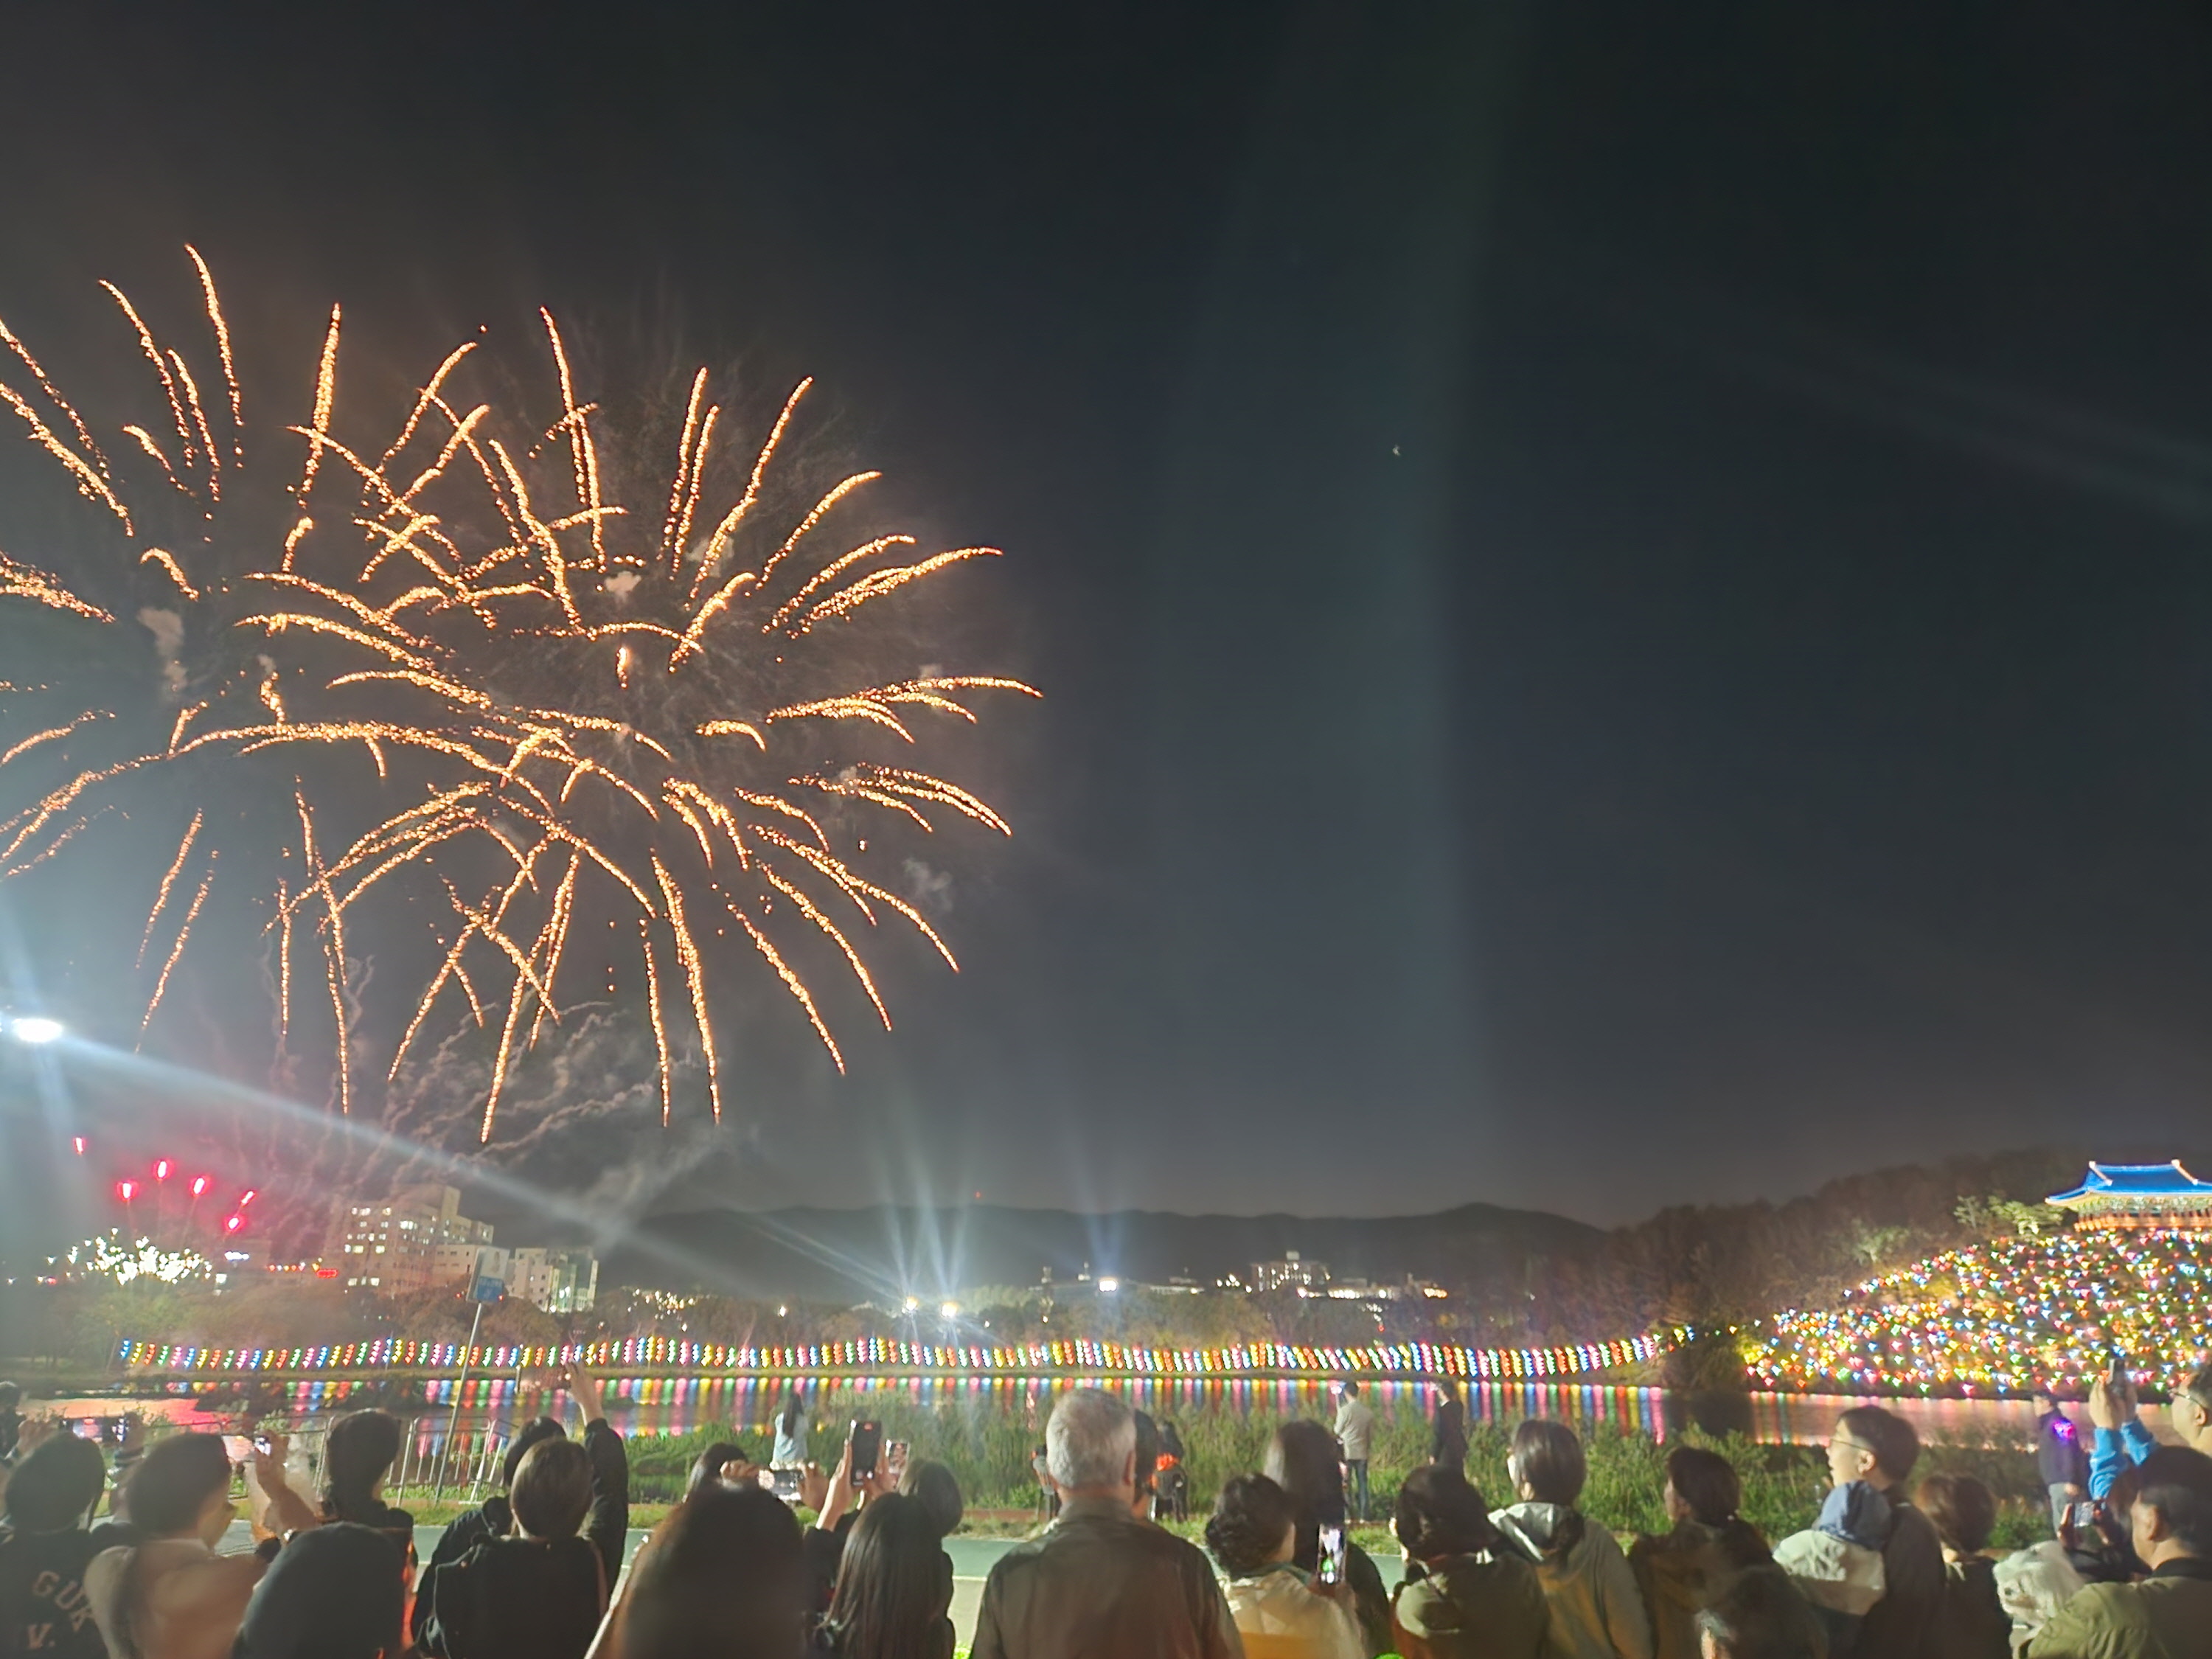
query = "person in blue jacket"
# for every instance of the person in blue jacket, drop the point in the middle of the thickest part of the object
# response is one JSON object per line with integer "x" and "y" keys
{"x": 2123, "y": 1441}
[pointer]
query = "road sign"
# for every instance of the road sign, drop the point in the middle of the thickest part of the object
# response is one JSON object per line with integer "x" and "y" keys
{"x": 487, "y": 1289}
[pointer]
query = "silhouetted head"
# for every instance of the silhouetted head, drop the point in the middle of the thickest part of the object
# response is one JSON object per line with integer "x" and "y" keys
{"x": 552, "y": 1490}
{"x": 1252, "y": 1526}
{"x": 56, "y": 1485}
{"x": 723, "y": 1575}
{"x": 356, "y": 1457}
{"x": 1547, "y": 1463}
{"x": 933, "y": 1486}
{"x": 1441, "y": 1515}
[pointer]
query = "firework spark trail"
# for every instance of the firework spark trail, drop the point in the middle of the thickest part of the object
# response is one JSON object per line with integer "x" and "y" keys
{"x": 54, "y": 397}
{"x": 161, "y": 367}
{"x": 169, "y": 880}
{"x": 522, "y": 701}
{"x": 326, "y": 377}
{"x": 177, "y": 951}
{"x": 223, "y": 348}
{"x": 91, "y": 484}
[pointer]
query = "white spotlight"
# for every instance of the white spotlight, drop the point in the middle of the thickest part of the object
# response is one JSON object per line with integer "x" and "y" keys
{"x": 36, "y": 1027}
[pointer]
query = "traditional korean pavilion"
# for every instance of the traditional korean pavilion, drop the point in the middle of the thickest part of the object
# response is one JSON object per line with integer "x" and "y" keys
{"x": 2164, "y": 1196}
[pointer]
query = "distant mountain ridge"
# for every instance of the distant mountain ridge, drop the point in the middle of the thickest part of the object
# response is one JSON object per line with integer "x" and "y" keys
{"x": 885, "y": 1251}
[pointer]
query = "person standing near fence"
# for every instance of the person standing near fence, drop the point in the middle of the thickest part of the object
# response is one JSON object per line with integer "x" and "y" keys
{"x": 792, "y": 1425}
{"x": 1355, "y": 1437}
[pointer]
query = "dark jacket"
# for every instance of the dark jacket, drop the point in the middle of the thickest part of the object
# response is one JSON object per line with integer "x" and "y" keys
{"x": 517, "y": 1598}
{"x": 607, "y": 1526}
{"x": 1102, "y": 1584}
{"x": 1471, "y": 1606}
{"x": 1448, "y": 1437}
{"x": 2060, "y": 1456}
{"x": 1900, "y": 1625}
{"x": 1685, "y": 1571}
{"x": 43, "y": 1605}
{"x": 2167, "y": 1615}
{"x": 1971, "y": 1622}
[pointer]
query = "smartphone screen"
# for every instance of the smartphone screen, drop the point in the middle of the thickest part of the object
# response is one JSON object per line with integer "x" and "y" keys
{"x": 239, "y": 1448}
{"x": 1332, "y": 1555}
{"x": 867, "y": 1444}
{"x": 85, "y": 1428}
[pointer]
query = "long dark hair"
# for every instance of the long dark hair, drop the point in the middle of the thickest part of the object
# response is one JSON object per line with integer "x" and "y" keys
{"x": 1302, "y": 1461}
{"x": 724, "y": 1573}
{"x": 792, "y": 1406}
{"x": 357, "y": 1455}
{"x": 1708, "y": 1488}
{"x": 894, "y": 1587}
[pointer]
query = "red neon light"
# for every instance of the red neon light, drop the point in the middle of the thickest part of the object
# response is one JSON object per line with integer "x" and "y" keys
{"x": 80, "y": 1145}
{"x": 234, "y": 1223}
{"x": 250, "y": 1195}
{"x": 200, "y": 1184}
{"x": 124, "y": 1189}
{"x": 326, "y": 1273}
{"x": 161, "y": 1169}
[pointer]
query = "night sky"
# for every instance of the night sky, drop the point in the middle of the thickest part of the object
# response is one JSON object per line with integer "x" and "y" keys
{"x": 1623, "y": 593}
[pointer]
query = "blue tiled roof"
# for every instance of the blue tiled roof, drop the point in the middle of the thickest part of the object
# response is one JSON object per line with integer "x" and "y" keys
{"x": 2137, "y": 1181}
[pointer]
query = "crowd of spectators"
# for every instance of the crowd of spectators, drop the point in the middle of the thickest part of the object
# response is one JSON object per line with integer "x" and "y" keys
{"x": 1888, "y": 1570}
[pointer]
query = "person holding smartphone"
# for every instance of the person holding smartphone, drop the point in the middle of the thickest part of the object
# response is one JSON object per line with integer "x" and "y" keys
{"x": 862, "y": 1476}
{"x": 2121, "y": 1439}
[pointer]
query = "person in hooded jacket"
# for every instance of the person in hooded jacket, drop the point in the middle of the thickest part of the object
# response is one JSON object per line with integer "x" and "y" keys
{"x": 608, "y": 1524}
{"x": 1467, "y": 1594}
{"x": 539, "y": 1594}
{"x": 1687, "y": 1570}
{"x": 1596, "y": 1610}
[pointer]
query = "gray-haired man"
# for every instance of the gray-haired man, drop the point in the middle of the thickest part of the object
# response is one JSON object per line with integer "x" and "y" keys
{"x": 1100, "y": 1583}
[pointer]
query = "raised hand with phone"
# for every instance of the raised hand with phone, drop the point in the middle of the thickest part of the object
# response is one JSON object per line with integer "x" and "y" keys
{"x": 2121, "y": 1439}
